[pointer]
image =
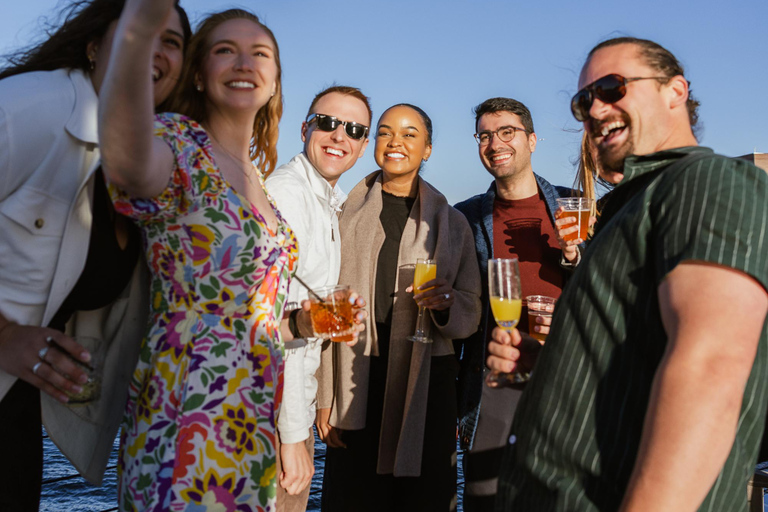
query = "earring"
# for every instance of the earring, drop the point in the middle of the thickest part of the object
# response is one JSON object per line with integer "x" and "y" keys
{"x": 91, "y": 62}
{"x": 199, "y": 88}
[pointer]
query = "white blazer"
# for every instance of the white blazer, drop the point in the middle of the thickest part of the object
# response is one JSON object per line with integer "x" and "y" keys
{"x": 48, "y": 155}
{"x": 310, "y": 205}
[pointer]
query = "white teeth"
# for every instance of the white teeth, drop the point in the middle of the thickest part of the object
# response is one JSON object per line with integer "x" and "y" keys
{"x": 611, "y": 126}
{"x": 497, "y": 158}
{"x": 394, "y": 155}
{"x": 241, "y": 85}
{"x": 332, "y": 151}
{"x": 155, "y": 74}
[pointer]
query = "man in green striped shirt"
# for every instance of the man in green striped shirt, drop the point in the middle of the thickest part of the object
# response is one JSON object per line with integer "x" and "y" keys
{"x": 651, "y": 391}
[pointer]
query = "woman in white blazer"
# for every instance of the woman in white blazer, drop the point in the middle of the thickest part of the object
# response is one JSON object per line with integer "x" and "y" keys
{"x": 68, "y": 263}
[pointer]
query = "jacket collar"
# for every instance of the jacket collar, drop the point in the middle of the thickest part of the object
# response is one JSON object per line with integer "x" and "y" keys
{"x": 638, "y": 165}
{"x": 332, "y": 196}
{"x": 83, "y": 122}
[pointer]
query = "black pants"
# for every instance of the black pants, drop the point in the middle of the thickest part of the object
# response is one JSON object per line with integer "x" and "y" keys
{"x": 350, "y": 481}
{"x": 21, "y": 445}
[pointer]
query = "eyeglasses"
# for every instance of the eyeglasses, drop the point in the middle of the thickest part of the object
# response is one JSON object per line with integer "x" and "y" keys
{"x": 326, "y": 123}
{"x": 608, "y": 89}
{"x": 505, "y": 134}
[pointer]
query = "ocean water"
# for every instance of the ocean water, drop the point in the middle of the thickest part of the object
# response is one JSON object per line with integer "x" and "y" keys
{"x": 63, "y": 494}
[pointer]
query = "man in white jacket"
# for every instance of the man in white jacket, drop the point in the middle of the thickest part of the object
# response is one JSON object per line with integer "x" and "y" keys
{"x": 335, "y": 135}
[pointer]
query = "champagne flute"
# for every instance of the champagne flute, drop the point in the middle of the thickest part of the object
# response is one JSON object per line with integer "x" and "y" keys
{"x": 506, "y": 305}
{"x": 426, "y": 270}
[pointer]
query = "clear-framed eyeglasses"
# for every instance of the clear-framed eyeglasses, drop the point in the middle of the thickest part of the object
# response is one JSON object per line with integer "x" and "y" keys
{"x": 505, "y": 134}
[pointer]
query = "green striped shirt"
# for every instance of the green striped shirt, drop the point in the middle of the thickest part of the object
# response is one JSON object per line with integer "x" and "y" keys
{"x": 578, "y": 426}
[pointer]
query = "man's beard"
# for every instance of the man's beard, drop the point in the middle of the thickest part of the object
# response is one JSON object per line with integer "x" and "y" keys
{"x": 611, "y": 158}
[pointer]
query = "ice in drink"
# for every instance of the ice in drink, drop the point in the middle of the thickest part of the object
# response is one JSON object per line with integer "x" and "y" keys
{"x": 333, "y": 318}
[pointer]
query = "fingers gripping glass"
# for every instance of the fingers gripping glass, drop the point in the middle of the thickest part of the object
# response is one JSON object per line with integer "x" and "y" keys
{"x": 326, "y": 123}
{"x": 608, "y": 89}
{"x": 505, "y": 134}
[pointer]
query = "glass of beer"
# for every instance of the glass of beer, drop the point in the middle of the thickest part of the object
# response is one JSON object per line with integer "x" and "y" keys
{"x": 506, "y": 305}
{"x": 332, "y": 317}
{"x": 426, "y": 270}
{"x": 579, "y": 209}
{"x": 539, "y": 305}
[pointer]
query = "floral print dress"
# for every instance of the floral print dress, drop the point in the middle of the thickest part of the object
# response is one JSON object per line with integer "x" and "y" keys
{"x": 199, "y": 430}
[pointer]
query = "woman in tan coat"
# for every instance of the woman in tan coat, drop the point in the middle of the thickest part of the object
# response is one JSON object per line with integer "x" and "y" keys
{"x": 388, "y": 405}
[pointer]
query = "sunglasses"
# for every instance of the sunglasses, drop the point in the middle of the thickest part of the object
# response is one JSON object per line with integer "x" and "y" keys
{"x": 608, "y": 89}
{"x": 326, "y": 123}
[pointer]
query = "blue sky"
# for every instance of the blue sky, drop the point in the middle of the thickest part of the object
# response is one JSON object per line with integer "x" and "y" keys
{"x": 447, "y": 56}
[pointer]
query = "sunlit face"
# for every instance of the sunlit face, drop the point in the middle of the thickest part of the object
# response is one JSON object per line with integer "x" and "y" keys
{"x": 240, "y": 69}
{"x": 334, "y": 153}
{"x": 167, "y": 57}
{"x": 401, "y": 142}
{"x": 505, "y": 159}
{"x": 637, "y": 123}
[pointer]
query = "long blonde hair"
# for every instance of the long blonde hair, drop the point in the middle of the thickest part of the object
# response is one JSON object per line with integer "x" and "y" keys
{"x": 187, "y": 101}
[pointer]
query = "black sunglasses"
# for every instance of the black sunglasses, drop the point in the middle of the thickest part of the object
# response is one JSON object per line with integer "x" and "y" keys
{"x": 608, "y": 89}
{"x": 326, "y": 123}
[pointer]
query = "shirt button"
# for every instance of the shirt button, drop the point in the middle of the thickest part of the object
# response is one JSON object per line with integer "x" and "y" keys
{"x": 465, "y": 440}
{"x": 39, "y": 223}
{"x": 512, "y": 439}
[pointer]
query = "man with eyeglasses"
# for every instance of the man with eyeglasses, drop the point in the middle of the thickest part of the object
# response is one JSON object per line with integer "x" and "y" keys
{"x": 513, "y": 219}
{"x": 335, "y": 135}
{"x": 651, "y": 391}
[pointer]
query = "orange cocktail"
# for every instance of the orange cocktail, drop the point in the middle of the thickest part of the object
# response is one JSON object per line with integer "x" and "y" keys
{"x": 333, "y": 318}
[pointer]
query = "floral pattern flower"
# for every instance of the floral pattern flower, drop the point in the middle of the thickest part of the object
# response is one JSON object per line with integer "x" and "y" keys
{"x": 199, "y": 429}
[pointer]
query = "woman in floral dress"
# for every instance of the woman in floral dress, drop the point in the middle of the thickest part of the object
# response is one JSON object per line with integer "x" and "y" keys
{"x": 199, "y": 432}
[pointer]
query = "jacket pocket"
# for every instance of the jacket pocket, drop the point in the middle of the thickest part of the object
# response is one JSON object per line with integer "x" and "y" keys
{"x": 32, "y": 224}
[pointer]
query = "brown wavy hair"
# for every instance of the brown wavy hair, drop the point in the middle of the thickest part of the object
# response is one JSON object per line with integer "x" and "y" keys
{"x": 191, "y": 103}
{"x": 82, "y": 22}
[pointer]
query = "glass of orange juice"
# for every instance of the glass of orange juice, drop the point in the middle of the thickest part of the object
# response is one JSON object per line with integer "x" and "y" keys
{"x": 426, "y": 270}
{"x": 506, "y": 305}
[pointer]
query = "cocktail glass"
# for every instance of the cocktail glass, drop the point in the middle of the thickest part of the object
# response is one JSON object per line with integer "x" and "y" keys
{"x": 426, "y": 270}
{"x": 332, "y": 317}
{"x": 506, "y": 305}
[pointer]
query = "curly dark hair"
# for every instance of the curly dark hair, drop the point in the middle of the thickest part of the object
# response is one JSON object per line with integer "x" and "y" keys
{"x": 82, "y": 21}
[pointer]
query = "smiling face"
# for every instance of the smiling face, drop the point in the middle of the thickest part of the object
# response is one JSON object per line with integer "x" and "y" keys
{"x": 240, "y": 69}
{"x": 636, "y": 124}
{"x": 334, "y": 153}
{"x": 401, "y": 142}
{"x": 506, "y": 160}
{"x": 167, "y": 57}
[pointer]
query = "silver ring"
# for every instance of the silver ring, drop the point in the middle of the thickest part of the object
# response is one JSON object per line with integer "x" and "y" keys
{"x": 36, "y": 367}
{"x": 42, "y": 353}
{"x": 447, "y": 296}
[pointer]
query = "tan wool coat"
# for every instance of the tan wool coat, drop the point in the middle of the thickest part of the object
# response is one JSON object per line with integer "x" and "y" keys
{"x": 434, "y": 230}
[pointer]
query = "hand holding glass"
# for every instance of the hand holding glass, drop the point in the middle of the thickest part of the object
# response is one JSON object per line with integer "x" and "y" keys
{"x": 426, "y": 270}
{"x": 579, "y": 210}
{"x": 506, "y": 305}
{"x": 333, "y": 317}
{"x": 539, "y": 305}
